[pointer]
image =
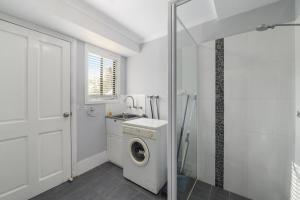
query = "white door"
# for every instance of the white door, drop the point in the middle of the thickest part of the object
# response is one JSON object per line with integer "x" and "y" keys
{"x": 35, "y": 152}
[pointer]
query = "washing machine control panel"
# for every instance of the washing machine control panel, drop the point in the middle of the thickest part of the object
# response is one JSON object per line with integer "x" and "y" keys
{"x": 137, "y": 131}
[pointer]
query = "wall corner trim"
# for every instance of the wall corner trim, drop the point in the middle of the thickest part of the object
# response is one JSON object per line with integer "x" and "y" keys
{"x": 91, "y": 162}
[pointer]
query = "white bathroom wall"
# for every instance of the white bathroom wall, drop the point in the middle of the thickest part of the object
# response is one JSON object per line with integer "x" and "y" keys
{"x": 259, "y": 113}
{"x": 147, "y": 73}
{"x": 91, "y": 135}
{"x": 91, "y": 132}
{"x": 125, "y": 106}
{"x": 206, "y": 113}
{"x": 187, "y": 63}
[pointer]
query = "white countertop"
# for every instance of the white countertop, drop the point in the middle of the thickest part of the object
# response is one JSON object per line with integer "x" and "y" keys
{"x": 146, "y": 123}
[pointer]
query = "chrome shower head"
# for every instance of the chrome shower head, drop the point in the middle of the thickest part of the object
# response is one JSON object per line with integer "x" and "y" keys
{"x": 264, "y": 27}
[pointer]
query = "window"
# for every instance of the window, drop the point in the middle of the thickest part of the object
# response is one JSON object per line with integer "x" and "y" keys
{"x": 102, "y": 75}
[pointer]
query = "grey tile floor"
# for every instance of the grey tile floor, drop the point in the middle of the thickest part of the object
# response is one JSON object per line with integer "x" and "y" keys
{"x": 105, "y": 182}
{"x": 204, "y": 191}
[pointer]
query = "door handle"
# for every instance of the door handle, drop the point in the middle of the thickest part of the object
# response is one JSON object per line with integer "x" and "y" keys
{"x": 298, "y": 114}
{"x": 66, "y": 115}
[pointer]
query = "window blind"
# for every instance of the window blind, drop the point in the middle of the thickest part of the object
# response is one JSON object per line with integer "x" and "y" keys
{"x": 101, "y": 77}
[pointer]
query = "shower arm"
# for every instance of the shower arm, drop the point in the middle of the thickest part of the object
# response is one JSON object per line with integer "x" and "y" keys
{"x": 275, "y": 25}
{"x": 179, "y": 2}
{"x": 264, "y": 27}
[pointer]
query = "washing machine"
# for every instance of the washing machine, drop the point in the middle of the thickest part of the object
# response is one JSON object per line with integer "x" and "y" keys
{"x": 145, "y": 153}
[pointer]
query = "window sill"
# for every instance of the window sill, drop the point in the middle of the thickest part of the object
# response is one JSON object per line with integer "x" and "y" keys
{"x": 108, "y": 101}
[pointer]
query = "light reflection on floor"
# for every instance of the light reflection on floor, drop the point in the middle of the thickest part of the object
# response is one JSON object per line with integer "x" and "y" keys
{"x": 295, "y": 182}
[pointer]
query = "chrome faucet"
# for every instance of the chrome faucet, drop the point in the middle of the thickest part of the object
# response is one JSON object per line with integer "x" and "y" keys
{"x": 133, "y": 105}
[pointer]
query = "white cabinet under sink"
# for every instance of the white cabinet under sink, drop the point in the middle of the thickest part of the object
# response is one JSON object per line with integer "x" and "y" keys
{"x": 114, "y": 141}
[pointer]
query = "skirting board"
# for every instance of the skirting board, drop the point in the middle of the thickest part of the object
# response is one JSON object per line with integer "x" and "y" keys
{"x": 91, "y": 162}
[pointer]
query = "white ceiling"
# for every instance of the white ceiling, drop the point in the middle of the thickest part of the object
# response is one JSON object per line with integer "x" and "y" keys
{"x": 148, "y": 18}
{"x": 76, "y": 19}
{"x": 196, "y": 12}
{"x": 228, "y": 8}
{"x": 121, "y": 25}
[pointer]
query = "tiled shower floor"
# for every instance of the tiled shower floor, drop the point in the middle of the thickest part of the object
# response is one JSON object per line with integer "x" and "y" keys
{"x": 204, "y": 191}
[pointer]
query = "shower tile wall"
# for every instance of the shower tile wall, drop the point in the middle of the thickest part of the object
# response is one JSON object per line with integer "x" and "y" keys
{"x": 259, "y": 77}
{"x": 219, "y": 158}
{"x": 206, "y": 112}
{"x": 187, "y": 82}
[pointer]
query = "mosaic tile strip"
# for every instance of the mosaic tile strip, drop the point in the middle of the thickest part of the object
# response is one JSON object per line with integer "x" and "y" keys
{"x": 219, "y": 141}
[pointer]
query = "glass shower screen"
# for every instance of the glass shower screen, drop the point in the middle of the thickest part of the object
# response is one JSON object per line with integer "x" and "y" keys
{"x": 186, "y": 115}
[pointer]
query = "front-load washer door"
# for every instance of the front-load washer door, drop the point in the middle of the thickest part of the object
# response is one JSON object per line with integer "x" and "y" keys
{"x": 138, "y": 151}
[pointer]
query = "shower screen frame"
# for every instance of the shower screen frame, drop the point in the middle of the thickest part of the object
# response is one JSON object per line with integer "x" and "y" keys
{"x": 172, "y": 91}
{"x": 172, "y": 97}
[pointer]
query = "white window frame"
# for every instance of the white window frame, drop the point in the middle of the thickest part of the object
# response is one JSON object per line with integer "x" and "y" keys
{"x": 107, "y": 54}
